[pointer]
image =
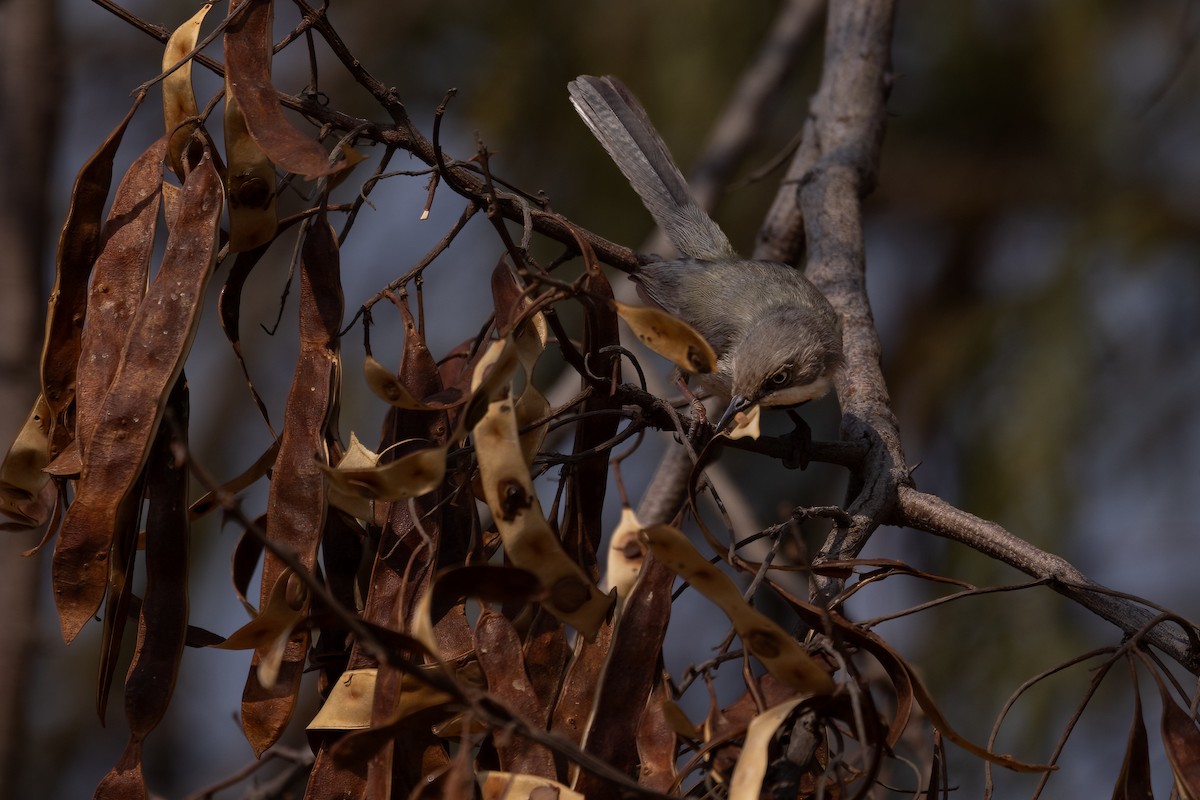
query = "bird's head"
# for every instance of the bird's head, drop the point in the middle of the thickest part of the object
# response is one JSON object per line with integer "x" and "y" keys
{"x": 786, "y": 358}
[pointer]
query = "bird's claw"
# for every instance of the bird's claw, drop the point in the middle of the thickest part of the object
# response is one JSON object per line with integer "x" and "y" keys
{"x": 800, "y": 438}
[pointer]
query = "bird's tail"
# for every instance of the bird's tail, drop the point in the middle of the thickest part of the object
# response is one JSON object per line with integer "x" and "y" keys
{"x": 618, "y": 120}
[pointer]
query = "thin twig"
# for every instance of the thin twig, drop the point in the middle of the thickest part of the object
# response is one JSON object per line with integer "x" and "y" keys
{"x": 299, "y": 758}
{"x": 404, "y": 136}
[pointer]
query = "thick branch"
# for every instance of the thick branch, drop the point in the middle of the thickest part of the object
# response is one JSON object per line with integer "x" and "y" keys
{"x": 931, "y": 513}
{"x": 834, "y": 169}
{"x": 820, "y": 204}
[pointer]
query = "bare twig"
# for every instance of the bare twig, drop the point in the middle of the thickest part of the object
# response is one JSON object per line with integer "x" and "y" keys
{"x": 300, "y": 760}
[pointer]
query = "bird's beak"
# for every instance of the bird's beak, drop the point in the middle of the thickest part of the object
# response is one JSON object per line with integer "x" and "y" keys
{"x": 736, "y": 403}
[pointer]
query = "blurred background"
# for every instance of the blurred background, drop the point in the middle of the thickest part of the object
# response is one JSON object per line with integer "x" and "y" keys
{"x": 1033, "y": 265}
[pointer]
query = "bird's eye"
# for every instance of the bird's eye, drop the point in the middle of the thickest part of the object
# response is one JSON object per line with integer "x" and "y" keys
{"x": 781, "y": 378}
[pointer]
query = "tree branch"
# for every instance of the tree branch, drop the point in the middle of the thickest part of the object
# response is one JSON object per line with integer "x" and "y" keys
{"x": 934, "y": 515}
{"x": 820, "y": 203}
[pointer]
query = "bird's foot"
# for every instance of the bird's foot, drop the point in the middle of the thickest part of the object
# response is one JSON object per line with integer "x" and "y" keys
{"x": 699, "y": 413}
{"x": 791, "y": 449}
{"x": 800, "y": 440}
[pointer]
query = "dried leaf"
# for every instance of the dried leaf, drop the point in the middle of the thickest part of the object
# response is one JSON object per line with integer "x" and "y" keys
{"x": 1133, "y": 782}
{"x": 778, "y": 651}
{"x": 246, "y": 554}
{"x": 179, "y": 100}
{"x": 348, "y": 706}
{"x": 529, "y": 335}
{"x": 120, "y": 592}
{"x": 582, "y": 517}
{"x": 656, "y": 741}
{"x": 296, "y": 504}
{"x": 162, "y": 626}
{"x": 160, "y": 335}
{"x": 455, "y": 364}
{"x": 510, "y": 786}
{"x": 171, "y": 195}
{"x": 575, "y": 702}
{"x": 124, "y": 781}
{"x": 78, "y": 245}
{"x": 68, "y": 464}
{"x": 408, "y": 476}
{"x": 546, "y": 654}
{"x": 343, "y": 552}
{"x": 252, "y": 215}
{"x": 509, "y": 297}
{"x": 746, "y": 424}
{"x": 357, "y": 456}
{"x": 752, "y": 765}
{"x": 678, "y": 720}
{"x": 1181, "y": 739}
{"x": 49, "y": 503}
{"x": 248, "y": 78}
{"x": 528, "y": 540}
{"x": 531, "y": 406}
{"x": 401, "y": 572}
{"x": 670, "y": 337}
{"x": 343, "y": 778}
{"x": 408, "y": 708}
{"x": 908, "y": 684}
{"x": 490, "y": 377}
{"x": 490, "y": 584}
{"x": 625, "y": 557}
{"x": 386, "y": 386}
{"x": 460, "y": 727}
{"x": 119, "y": 280}
{"x": 22, "y": 479}
{"x": 418, "y": 370}
{"x": 724, "y": 729}
{"x": 164, "y": 610}
{"x": 498, "y": 648}
{"x": 632, "y": 668}
{"x": 286, "y": 606}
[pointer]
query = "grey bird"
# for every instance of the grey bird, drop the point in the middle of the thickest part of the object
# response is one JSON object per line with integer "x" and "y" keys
{"x": 778, "y": 340}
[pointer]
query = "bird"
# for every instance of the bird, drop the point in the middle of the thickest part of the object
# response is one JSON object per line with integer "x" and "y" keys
{"x": 777, "y": 339}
